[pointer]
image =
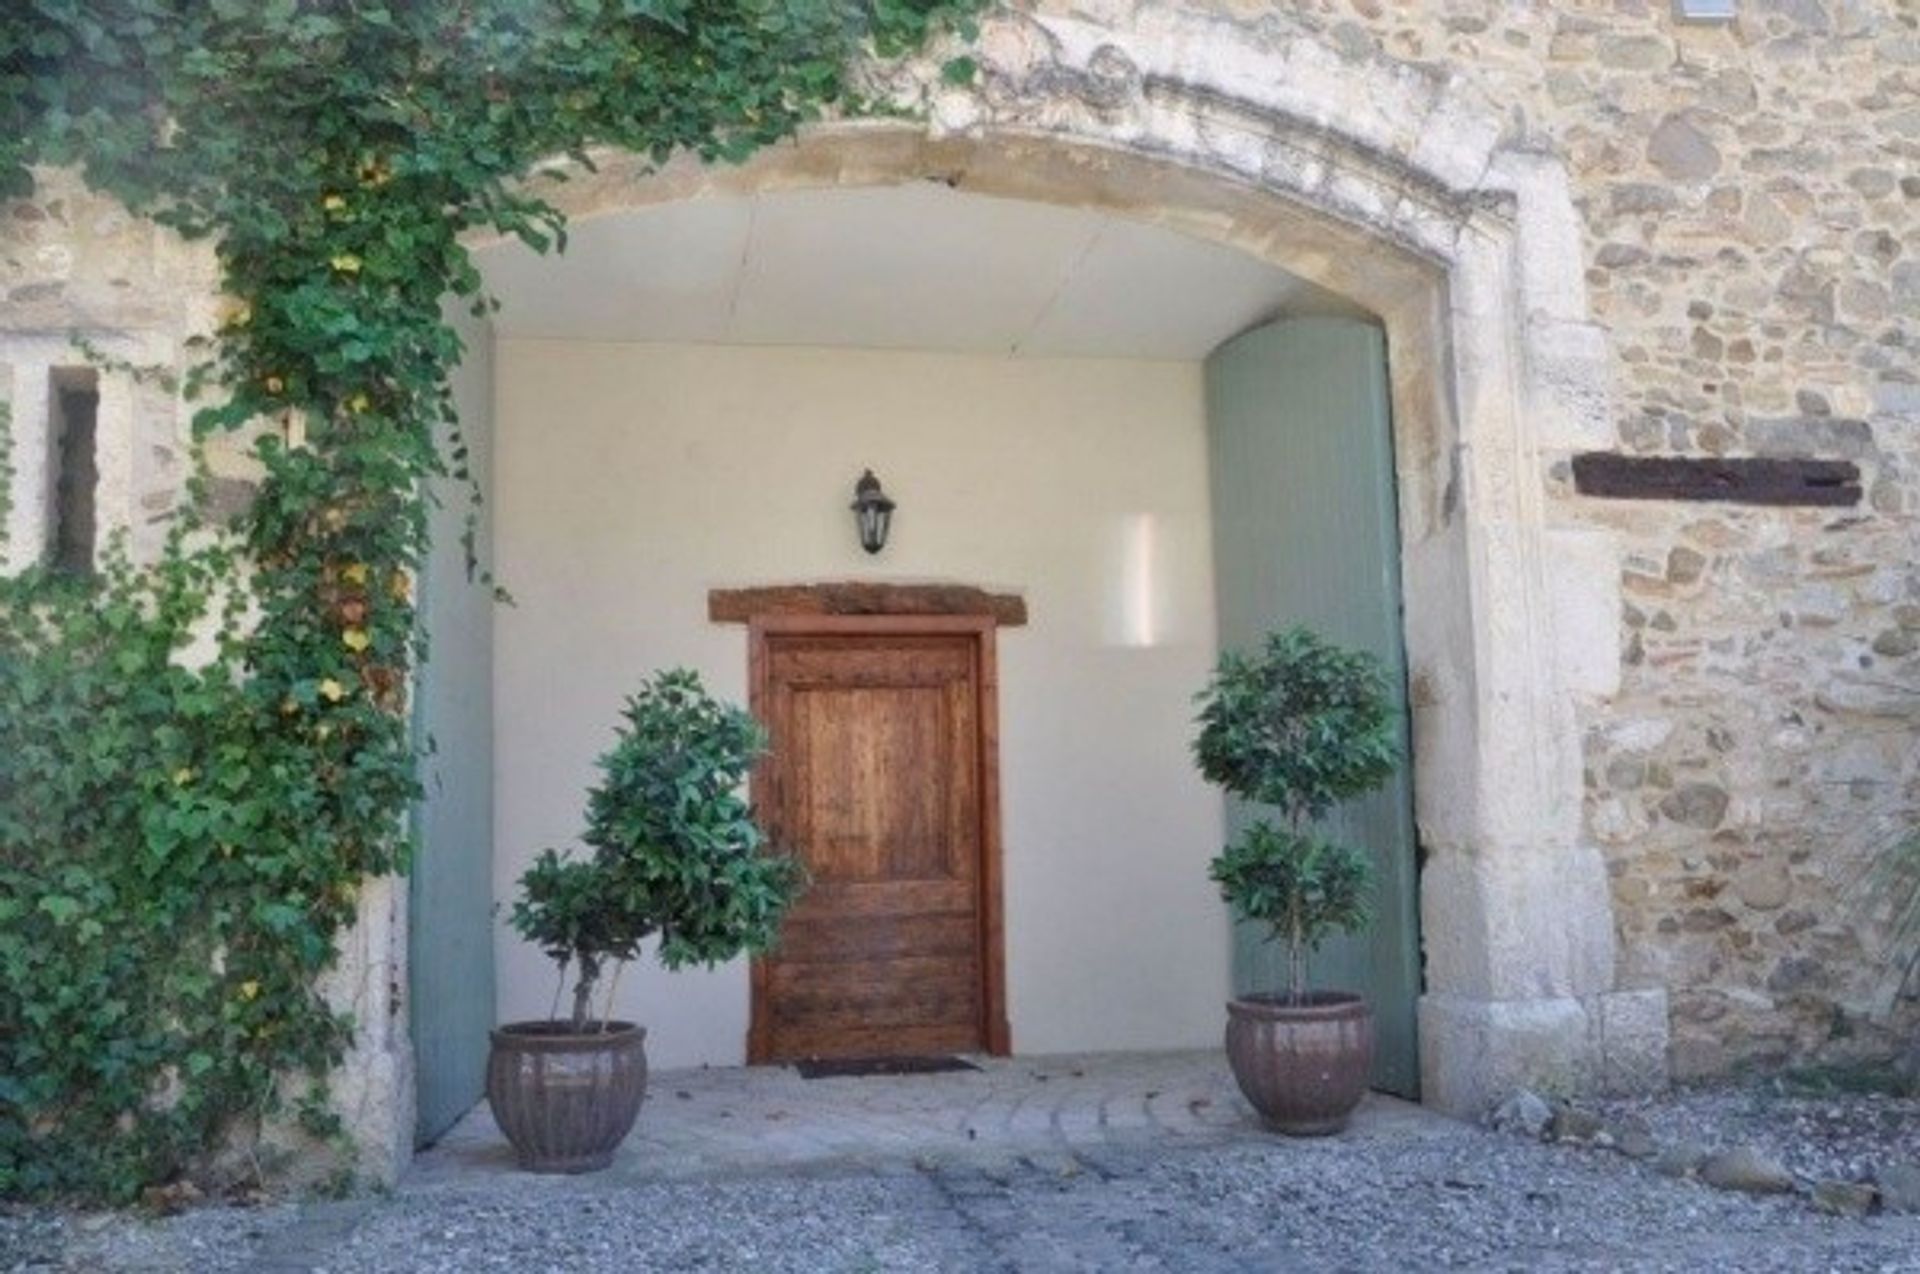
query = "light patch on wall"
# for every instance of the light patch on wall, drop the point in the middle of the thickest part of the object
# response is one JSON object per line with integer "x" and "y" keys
{"x": 1140, "y": 579}
{"x": 1145, "y": 605}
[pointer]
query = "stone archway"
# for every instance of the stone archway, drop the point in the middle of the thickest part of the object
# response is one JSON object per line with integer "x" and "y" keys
{"x": 1391, "y": 186}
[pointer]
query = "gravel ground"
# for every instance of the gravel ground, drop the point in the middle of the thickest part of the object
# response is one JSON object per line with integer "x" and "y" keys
{"x": 1472, "y": 1201}
{"x": 212, "y": 1239}
{"x": 1843, "y": 1137}
{"x": 1456, "y": 1198}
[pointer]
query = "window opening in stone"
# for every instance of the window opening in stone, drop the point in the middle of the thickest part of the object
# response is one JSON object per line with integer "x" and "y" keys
{"x": 72, "y": 415}
{"x": 1704, "y": 10}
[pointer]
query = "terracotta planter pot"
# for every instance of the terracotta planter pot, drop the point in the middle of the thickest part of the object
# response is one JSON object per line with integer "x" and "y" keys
{"x": 1303, "y": 1067}
{"x": 564, "y": 1100}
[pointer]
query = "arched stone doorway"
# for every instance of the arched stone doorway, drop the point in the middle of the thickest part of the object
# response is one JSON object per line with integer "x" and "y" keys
{"x": 1390, "y": 188}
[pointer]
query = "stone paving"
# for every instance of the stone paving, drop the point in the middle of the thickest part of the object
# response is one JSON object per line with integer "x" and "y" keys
{"x": 764, "y": 1119}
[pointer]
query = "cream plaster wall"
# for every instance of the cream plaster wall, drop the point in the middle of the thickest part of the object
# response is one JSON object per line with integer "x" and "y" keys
{"x": 633, "y": 478}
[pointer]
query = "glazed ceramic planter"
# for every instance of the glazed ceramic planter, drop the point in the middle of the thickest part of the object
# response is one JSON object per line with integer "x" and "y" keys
{"x": 564, "y": 1099}
{"x": 1303, "y": 1066}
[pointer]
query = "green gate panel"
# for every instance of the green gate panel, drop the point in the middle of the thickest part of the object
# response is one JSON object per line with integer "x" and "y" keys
{"x": 450, "y": 901}
{"x": 1305, "y": 531}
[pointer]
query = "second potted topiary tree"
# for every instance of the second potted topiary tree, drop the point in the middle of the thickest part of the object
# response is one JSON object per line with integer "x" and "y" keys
{"x": 1299, "y": 726}
{"x": 674, "y": 853}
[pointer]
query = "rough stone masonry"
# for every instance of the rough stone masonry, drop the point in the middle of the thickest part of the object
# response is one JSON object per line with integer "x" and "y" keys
{"x": 1750, "y": 203}
{"x": 1745, "y": 199}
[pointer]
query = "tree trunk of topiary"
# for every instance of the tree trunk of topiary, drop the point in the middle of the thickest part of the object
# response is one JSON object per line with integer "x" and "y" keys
{"x": 1296, "y": 937}
{"x": 583, "y": 993}
{"x": 1296, "y": 955}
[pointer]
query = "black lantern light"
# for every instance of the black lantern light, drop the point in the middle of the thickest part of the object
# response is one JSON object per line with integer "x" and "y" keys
{"x": 873, "y": 511}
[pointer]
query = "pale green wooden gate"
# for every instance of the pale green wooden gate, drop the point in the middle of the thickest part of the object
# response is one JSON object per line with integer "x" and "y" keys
{"x": 450, "y": 911}
{"x": 1306, "y": 532}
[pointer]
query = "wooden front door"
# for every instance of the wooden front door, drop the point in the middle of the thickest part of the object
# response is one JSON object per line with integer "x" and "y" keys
{"x": 881, "y": 779}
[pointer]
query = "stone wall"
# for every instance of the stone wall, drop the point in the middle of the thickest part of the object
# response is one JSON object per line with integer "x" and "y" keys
{"x": 79, "y": 271}
{"x": 1745, "y": 198}
{"x": 73, "y": 264}
{"x": 1750, "y": 202}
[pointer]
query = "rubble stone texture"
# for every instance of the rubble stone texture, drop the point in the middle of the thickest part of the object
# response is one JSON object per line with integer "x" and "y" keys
{"x": 1654, "y": 740}
{"x": 1749, "y": 199}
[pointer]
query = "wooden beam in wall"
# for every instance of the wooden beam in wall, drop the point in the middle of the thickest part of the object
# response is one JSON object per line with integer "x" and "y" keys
{"x": 1731, "y": 480}
{"x": 850, "y": 597}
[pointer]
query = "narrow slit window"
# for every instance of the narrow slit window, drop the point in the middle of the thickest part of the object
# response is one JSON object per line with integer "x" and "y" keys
{"x": 75, "y": 470}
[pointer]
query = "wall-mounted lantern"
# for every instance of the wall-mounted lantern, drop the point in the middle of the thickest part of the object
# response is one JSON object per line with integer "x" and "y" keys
{"x": 873, "y": 511}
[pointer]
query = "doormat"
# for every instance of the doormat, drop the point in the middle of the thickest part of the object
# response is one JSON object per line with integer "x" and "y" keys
{"x": 842, "y": 1068}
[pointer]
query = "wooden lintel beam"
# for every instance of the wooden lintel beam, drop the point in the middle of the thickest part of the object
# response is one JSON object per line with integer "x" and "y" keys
{"x": 741, "y": 605}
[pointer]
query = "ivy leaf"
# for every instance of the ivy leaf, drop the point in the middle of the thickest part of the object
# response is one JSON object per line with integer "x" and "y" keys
{"x": 62, "y": 908}
{"x": 279, "y": 916}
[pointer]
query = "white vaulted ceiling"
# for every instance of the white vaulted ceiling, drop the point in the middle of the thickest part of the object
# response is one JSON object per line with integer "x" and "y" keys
{"x": 897, "y": 267}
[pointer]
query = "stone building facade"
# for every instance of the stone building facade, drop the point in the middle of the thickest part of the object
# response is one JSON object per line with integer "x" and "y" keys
{"x": 1749, "y": 199}
{"x": 1654, "y": 739}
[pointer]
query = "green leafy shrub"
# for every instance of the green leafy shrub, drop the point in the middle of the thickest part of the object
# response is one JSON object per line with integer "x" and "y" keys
{"x": 161, "y": 925}
{"x": 1882, "y": 895}
{"x": 674, "y": 849}
{"x": 1895, "y": 876}
{"x": 162, "y": 938}
{"x": 1300, "y": 726}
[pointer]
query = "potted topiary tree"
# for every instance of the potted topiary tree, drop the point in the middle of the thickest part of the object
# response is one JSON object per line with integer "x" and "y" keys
{"x": 673, "y": 853}
{"x": 1299, "y": 726}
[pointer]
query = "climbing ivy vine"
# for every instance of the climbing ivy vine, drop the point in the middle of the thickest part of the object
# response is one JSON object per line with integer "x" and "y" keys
{"x": 201, "y": 759}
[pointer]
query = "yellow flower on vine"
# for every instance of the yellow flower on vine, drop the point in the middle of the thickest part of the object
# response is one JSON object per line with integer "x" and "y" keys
{"x": 346, "y": 263}
{"x": 356, "y": 639}
{"x": 334, "y": 203}
{"x": 182, "y": 776}
{"x": 249, "y": 989}
{"x": 359, "y": 403}
{"x": 274, "y": 384}
{"x": 332, "y": 691}
{"x": 355, "y": 573}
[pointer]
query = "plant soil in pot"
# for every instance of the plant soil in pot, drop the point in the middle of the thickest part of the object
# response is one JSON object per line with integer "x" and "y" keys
{"x": 566, "y": 1099}
{"x": 1298, "y": 726}
{"x": 1305, "y": 1066}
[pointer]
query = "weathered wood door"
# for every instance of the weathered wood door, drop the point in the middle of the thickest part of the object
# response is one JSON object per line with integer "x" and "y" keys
{"x": 1305, "y": 532}
{"x": 881, "y": 780}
